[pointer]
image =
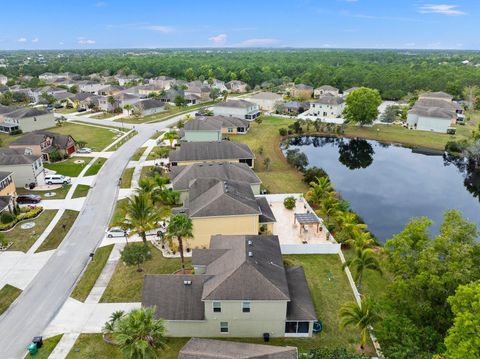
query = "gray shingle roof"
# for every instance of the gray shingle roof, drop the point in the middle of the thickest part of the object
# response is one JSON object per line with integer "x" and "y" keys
{"x": 4, "y": 202}
{"x": 213, "y": 197}
{"x": 203, "y": 124}
{"x": 173, "y": 299}
{"x": 208, "y": 151}
{"x": 4, "y": 174}
{"x": 329, "y": 100}
{"x": 7, "y": 109}
{"x": 267, "y": 215}
{"x": 300, "y": 306}
{"x": 267, "y": 96}
{"x": 181, "y": 176}
{"x": 151, "y": 103}
{"x": 327, "y": 88}
{"x": 197, "y": 348}
{"x": 235, "y": 104}
{"x": 9, "y": 156}
{"x": 439, "y": 94}
{"x": 27, "y": 112}
{"x": 36, "y": 137}
{"x": 303, "y": 87}
{"x": 432, "y": 112}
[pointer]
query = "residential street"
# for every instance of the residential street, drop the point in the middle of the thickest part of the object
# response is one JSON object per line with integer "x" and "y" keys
{"x": 45, "y": 295}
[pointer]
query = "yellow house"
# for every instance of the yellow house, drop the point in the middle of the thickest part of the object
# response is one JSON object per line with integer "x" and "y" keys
{"x": 225, "y": 207}
{"x": 7, "y": 185}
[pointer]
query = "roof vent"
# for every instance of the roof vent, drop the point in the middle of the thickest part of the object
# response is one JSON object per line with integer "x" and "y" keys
{"x": 250, "y": 254}
{"x": 249, "y": 242}
{"x": 187, "y": 282}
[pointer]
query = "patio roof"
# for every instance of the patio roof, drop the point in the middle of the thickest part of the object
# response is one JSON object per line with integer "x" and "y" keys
{"x": 306, "y": 218}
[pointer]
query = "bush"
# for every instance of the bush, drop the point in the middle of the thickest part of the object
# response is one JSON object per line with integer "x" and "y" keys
{"x": 312, "y": 173}
{"x": 283, "y": 131}
{"x": 32, "y": 213}
{"x": 289, "y": 202}
{"x": 7, "y": 217}
{"x": 16, "y": 132}
{"x": 297, "y": 159}
{"x": 456, "y": 146}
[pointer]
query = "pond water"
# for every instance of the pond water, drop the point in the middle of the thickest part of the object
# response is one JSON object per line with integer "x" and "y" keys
{"x": 387, "y": 185}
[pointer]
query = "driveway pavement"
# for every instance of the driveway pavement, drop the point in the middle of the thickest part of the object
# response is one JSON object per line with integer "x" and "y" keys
{"x": 44, "y": 296}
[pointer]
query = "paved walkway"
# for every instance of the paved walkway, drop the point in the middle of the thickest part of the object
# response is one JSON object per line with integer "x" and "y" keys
{"x": 64, "y": 346}
{"x": 19, "y": 269}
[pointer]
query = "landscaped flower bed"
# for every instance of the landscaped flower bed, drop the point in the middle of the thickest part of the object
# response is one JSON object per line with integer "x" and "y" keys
{"x": 32, "y": 212}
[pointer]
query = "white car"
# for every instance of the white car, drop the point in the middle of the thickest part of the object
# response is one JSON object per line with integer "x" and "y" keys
{"x": 57, "y": 179}
{"x": 116, "y": 232}
{"x": 84, "y": 150}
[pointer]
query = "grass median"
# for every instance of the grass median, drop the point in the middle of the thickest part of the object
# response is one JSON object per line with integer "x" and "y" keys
{"x": 59, "y": 232}
{"x": 81, "y": 191}
{"x": 8, "y": 294}
{"x": 127, "y": 176}
{"x": 95, "y": 167}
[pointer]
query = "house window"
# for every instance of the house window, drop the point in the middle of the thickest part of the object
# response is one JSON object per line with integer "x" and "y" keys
{"x": 223, "y": 327}
{"x": 246, "y": 307}
{"x": 297, "y": 327}
{"x": 230, "y": 130}
{"x": 217, "y": 307}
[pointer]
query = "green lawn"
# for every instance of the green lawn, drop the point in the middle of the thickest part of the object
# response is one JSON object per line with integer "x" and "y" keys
{"x": 119, "y": 212}
{"x": 138, "y": 153}
{"x": 91, "y": 274}
{"x": 156, "y": 135}
{"x": 146, "y": 170}
{"x": 95, "y": 137}
{"x": 66, "y": 110}
{"x": 8, "y": 294}
{"x": 59, "y": 232}
{"x": 48, "y": 345}
{"x": 6, "y": 139}
{"x": 81, "y": 191}
{"x": 127, "y": 177}
{"x": 60, "y": 193}
{"x": 90, "y": 346}
{"x": 23, "y": 239}
{"x": 69, "y": 167}
{"x": 102, "y": 126}
{"x": 95, "y": 167}
{"x": 155, "y": 153}
{"x": 159, "y": 117}
{"x": 126, "y": 283}
{"x": 123, "y": 140}
{"x": 104, "y": 115}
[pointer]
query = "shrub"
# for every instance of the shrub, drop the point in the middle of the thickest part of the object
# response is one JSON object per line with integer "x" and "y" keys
{"x": 297, "y": 159}
{"x": 289, "y": 202}
{"x": 32, "y": 213}
{"x": 312, "y": 173}
{"x": 15, "y": 132}
{"x": 283, "y": 131}
{"x": 7, "y": 217}
{"x": 456, "y": 146}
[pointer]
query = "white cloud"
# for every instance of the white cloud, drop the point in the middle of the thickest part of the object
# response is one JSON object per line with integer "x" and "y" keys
{"x": 444, "y": 9}
{"x": 61, "y": 43}
{"x": 101, "y": 4}
{"x": 22, "y": 39}
{"x": 160, "y": 28}
{"x": 220, "y": 39}
{"x": 259, "y": 42}
{"x": 84, "y": 41}
{"x": 35, "y": 39}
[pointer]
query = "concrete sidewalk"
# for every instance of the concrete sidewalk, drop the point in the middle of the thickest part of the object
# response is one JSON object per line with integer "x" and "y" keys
{"x": 64, "y": 346}
{"x": 19, "y": 269}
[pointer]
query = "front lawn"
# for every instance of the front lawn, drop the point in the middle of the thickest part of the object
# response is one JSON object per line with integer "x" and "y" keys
{"x": 59, "y": 232}
{"x": 91, "y": 274}
{"x": 127, "y": 175}
{"x": 69, "y": 167}
{"x": 119, "y": 212}
{"x": 60, "y": 193}
{"x": 89, "y": 346}
{"x": 23, "y": 239}
{"x": 95, "y": 137}
{"x": 49, "y": 345}
{"x": 146, "y": 172}
{"x": 96, "y": 166}
{"x": 6, "y": 139}
{"x": 8, "y": 294}
{"x": 138, "y": 153}
{"x": 104, "y": 115}
{"x": 81, "y": 191}
{"x": 126, "y": 284}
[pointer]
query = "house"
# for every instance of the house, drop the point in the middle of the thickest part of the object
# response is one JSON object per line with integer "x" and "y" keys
{"x": 182, "y": 176}
{"x": 237, "y": 108}
{"x": 266, "y": 100}
{"x": 224, "y": 206}
{"x": 171, "y": 94}
{"x": 27, "y": 119}
{"x": 26, "y": 167}
{"x": 147, "y": 90}
{"x": 236, "y": 86}
{"x": 43, "y": 143}
{"x": 295, "y": 107}
{"x": 150, "y": 107}
{"x": 434, "y": 111}
{"x": 90, "y": 86}
{"x": 192, "y": 99}
{"x": 199, "y": 89}
{"x": 327, "y": 106}
{"x": 110, "y": 90}
{"x": 216, "y": 151}
{"x": 301, "y": 91}
{"x": 349, "y": 91}
{"x": 325, "y": 90}
{"x": 162, "y": 82}
{"x": 83, "y": 100}
{"x": 37, "y": 94}
{"x": 124, "y": 80}
{"x": 241, "y": 288}
{"x": 7, "y": 192}
{"x": 48, "y": 76}
{"x": 3, "y": 79}
{"x": 217, "y": 84}
{"x": 211, "y": 128}
{"x": 200, "y": 348}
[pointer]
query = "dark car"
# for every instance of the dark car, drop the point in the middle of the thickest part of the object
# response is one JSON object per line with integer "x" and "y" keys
{"x": 28, "y": 198}
{"x": 81, "y": 110}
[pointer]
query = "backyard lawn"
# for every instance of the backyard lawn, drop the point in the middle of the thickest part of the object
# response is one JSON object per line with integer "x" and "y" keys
{"x": 6, "y": 139}
{"x": 91, "y": 274}
{"x": 60, "y": 193}
{"x": 8, "y": 294}
{"x": 59, "y": 232}
{"x": 81, "y": 191}
{"x": 48, "y": 345}
{"x": 95, "y": 137}
{"x": 69, "y": 167}
{"x": 126, "y": 283}
{"x": 96, "y": 166}
{"x": 127, "y": 175}
{"x": 23, "y": 239}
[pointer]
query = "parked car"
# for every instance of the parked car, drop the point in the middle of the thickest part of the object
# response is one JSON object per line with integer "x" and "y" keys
{"x": 57, "y": 179}
{"x": 116, "y": 232}
{"x": 58, "y": 105}
{"x": 81, "y": 110}
{"x": 84, "y": 150}
{"x": 28, "y": 199}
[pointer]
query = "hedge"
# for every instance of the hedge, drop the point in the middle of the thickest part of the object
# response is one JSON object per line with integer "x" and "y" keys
{"x": 34, "y": 212}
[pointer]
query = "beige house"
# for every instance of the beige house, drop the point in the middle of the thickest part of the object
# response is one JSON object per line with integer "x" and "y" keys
{"x": 236, "y": 86}
{"x": 26, "y": 168}
{"x": 215, "y": 151}
{"x": 42, "y": 143}
{"x": 27, "y": 119}
{"x": 266, "y": 100}
{"x": 301, "y": 91}
{"x": 162, "y": 82}
{"x": 211, "y": 128}
{"x": 325, "y": 90}
{"x": 218, "y": 206}
{"x": 241, "y": 288}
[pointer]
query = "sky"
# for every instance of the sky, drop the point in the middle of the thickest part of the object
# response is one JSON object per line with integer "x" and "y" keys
{"x": 103, "y": 24}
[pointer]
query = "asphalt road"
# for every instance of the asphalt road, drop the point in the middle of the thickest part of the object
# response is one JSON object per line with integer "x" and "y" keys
{"x": 43, "y": 298}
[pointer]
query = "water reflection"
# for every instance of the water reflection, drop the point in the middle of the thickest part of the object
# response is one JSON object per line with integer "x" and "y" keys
{"x": 355, "y": 153}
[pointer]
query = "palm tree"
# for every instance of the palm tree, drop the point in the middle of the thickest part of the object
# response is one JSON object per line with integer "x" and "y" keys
{"x": 141, "y": 214}
{"x": 319, "y": 190}
{"x": 360, "y": 239}
{"x": 349, "y": 226}
{"x": 128, "y": 107}
{"x": 180, "y": 226}
{"x": 140, "y": 335}
{"x": 329, "y": 207}
{"x": 112, "y": 101}
{"x": 170, "y": 136}
{"x": 109, "y": 326}
{"x": 364, "y": 259}
{"x": 188, "y": 117}
{"x": 361, "y": 317}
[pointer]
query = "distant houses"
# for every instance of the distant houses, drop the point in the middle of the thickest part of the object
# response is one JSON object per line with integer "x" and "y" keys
{"x": 325, "y": 90}
{"x": 267, "y": 101}
{"x": 301, "y": 91}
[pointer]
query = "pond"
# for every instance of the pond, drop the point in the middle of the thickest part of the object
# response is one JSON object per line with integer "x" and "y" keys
{"x": 387, "y": 185}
